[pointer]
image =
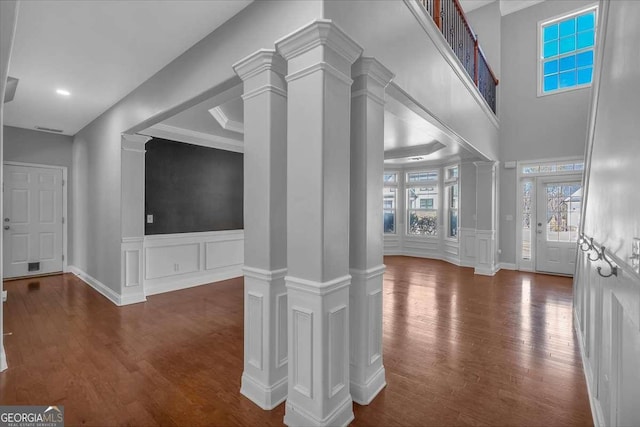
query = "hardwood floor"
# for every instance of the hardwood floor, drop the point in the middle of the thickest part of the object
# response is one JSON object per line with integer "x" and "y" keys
{"x": 459, "y": 349}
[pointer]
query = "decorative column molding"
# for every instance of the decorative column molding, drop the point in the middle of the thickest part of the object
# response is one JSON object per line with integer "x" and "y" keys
{"x": 366, "y": 235}
{"x": 264, "y": 380}
{"x": 486, "y": 209}
{"x": 132, "y": 217}
{"x": 319, "y": 58}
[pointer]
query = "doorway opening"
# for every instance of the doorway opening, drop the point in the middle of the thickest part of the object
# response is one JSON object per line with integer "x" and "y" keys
{"x": 548, "y": 213}
{"x": 34, "y": 226}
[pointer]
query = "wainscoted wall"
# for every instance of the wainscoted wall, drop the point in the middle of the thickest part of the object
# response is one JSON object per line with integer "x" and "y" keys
{"x": 607, "y": 321}
{"x": 178, "y": 261}
{"x": 423, "y": 247}
{"x": 467, "y": 238}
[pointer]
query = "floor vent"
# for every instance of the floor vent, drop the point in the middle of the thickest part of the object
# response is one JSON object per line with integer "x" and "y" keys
{"x": 34, "y": 266}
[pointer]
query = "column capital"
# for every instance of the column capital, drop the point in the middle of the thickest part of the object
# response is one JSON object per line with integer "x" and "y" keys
{"x": 321, "y": 32}
{"x": 134, "y": 142}
{"x": 367, "y": 66}
{"x": 258, "y": 62}
{"x": 485, "y": 165}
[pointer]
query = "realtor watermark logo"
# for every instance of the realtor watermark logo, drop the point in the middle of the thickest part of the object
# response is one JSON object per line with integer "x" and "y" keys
{"x": 31, "y": 416}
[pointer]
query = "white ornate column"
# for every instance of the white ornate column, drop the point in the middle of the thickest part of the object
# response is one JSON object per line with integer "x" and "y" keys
{"x": 485, "y": 218}
{"x": 132, "y": 217}
{"x": 366, "y": 235}
{"x": 264, "y": 379}
{"x": 319, "y": 57}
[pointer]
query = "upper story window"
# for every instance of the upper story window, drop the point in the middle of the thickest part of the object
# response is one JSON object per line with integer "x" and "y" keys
{"x": 566, "y": 51}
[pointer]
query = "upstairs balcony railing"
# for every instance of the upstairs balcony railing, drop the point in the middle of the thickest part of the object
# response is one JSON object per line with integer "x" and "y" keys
{"x": 450, "y": 19}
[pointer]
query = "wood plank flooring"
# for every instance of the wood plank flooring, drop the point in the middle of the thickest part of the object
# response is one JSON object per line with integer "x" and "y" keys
{"x": 459, "y": 349}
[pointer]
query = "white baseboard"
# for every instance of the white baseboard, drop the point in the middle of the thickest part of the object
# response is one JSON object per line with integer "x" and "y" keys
{"x": 178, "y": 283}
{"x": 486, "y": 271}
{"x": 596, "y": 409}
{"x": 506, "y": 266}
{"x": 105, "y": 291}
{"x": 3, "y": 359}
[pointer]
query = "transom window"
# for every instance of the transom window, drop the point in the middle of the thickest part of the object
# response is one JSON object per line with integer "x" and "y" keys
{"x": 552, "y": 167}
{"x": 567, "y": 51}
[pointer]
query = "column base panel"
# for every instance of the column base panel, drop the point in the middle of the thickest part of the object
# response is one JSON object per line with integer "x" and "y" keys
{"x": 295, "y": 416}
{"x": 266, "y": 397}
{"x": 363, "y": 394}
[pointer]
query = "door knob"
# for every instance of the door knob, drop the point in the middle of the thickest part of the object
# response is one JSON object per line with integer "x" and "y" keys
{"x": 539, "y": 231}
{"x": 7, "y": 220}
{"x": 6, "y": 227}
{"x": 539, "y": 224}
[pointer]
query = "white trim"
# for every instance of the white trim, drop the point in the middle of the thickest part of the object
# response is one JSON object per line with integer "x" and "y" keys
{"x": 225, "y": 122}
{"x": 506, "y": 266}
{"x": 317, "y": 288}
{"x": 540, "y": 59}
{"x": 65, "y": 215}
{"x": 447, "y": 53}
{"x": 217, "y": 236}
{"x": 160, "y": 130}
{"x": 265, "y": 397}
{"x": 104, "y": 290}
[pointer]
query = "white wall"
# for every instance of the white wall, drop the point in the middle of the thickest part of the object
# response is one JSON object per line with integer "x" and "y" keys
{"x": 193, "y": 76}
{"x": 607, "y": 310}
{"x": 8, "y": 19}
{"x": 390, "y": 32}
{"x": 532, "y": 127}
{"x": 30, "y": 146}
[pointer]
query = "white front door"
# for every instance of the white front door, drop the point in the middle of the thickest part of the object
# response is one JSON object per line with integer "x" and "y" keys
{"x": 32, "y": 220}
{"x": 558, "y": 206}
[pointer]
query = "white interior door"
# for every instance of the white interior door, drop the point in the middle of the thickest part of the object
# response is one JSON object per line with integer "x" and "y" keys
{"x": 558, "y": 206}
{"x": 32, "y": 221}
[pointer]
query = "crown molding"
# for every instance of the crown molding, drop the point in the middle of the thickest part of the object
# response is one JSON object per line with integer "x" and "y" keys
{"x": 367, "y": 66}
{"x": 224, "y": 121}
{"x": 321, "y": 32}
{"x": 258, "y": 62}
{"x": 188, "y": 136}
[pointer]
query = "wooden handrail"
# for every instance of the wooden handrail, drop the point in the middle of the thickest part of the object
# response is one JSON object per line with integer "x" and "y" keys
{"x": 435, "y": 8}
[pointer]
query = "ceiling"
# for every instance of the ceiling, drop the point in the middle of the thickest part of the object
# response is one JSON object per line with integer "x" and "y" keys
{"x": 99, "y": 51}
{"x": 408, "y": 138}
{"x": 506, "y": 6}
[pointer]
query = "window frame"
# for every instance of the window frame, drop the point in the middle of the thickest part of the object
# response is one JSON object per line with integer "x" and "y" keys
{"x": 540, "y": 59}
{"x": 394, "y": 185}
{"x": 448, "y": 184}
{"x": 436, "y": 183}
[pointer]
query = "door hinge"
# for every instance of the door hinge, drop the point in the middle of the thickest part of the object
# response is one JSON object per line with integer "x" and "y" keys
{"x": 63, "y": 220}
{"x": 63, "y": 182}
{"x": 63, "y": 257}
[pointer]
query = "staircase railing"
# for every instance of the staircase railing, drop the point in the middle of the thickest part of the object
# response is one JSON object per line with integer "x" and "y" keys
{"x": 452, "y": 22}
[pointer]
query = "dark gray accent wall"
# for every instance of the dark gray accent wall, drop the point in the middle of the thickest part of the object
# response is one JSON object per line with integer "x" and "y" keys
{"x": 189, "y": 188}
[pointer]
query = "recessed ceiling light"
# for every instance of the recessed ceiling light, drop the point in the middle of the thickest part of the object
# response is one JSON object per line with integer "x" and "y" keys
{"x": 63, "y": 92}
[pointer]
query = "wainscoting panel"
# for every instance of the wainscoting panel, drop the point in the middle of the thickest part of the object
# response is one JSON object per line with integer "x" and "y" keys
{"x": 467, "y": 238}
{"x": 178, "y": 261}
{"x": 607, "y": 321}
